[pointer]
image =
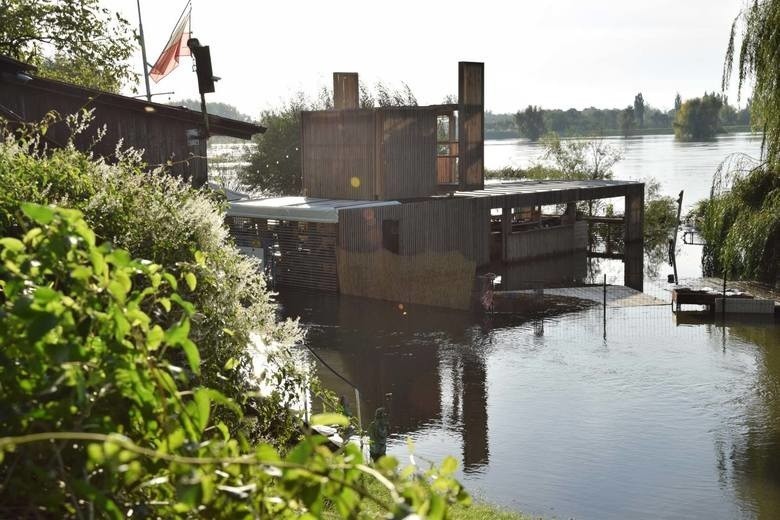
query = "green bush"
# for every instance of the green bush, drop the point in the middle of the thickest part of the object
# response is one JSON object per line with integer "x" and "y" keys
{"x": 740, "y": 223}
{"x": 99, "y": 421}
{"x": 155, "y": 216}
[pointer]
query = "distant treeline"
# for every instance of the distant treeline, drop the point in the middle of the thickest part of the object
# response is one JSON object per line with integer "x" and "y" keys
{"x": 636, "y": 119}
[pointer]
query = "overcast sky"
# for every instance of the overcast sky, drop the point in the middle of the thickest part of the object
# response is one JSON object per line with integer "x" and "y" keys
{"x": 553, "y": 53}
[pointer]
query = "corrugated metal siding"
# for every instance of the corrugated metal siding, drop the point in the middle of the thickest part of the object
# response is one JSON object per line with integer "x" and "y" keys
{"x": 162, "y": 139}
{"x": 439, "y": 226}
{"x": 408, "y": 153}
{"x": 308, "y": 250}
{"x": 538, "y": 243}
{"x": 337, "y": 147}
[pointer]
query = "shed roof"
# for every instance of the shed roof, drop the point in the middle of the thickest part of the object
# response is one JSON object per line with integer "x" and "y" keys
{"x": 304, "y": 209}
{"x": 543, "y": 192}
{"x": 217, "y": 125}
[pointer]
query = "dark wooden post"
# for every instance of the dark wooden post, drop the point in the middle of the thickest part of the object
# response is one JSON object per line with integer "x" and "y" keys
{"x": 471, "y": 125}
{"x": 346, "y": 90}
{"x": 506, "y": 230}
{"x": 634, "y": 238}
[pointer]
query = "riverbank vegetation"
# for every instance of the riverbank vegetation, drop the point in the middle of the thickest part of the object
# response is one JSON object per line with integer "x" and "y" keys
{"x": 740, "y": 222}
{"x": 78, "y": 41}
{"x": 129, "y": 384}
{"x": 639, "y": 118}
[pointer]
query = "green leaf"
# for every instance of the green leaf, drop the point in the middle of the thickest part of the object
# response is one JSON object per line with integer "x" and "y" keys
{"x": 267, "y": 453}
{"x": 449, "y": 465}
{"x": 46, "y": 294}
{"x": 329, "y": 419}
{"x": 191, "y": 281}
{"x": 117, "y": 290}
{"x": 12, "y": 244}
{"x": 193, "y": 356}
{"x": 154, "y": 337}
{"x": 230, "y": 364}
{"x": 203, "y": 407}
{"x": 178, "y": 332}
{"x": 188, "y": 307}
{"x": 38, "y": 213}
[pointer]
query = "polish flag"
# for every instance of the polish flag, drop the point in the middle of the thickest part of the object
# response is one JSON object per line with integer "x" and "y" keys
{"x": 176, "y": 47}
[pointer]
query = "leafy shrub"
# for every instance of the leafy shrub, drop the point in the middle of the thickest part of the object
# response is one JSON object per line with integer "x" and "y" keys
{"x": 155, "y": 216}
{"x": 740, "y": 223}
{"x": 99, "y": 421}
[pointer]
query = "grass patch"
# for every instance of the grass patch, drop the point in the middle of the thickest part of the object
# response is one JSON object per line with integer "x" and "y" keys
{"x": 479, "y": 510}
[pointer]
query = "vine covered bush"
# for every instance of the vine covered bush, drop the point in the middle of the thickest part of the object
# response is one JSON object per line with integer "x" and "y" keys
{"x": 99, "y": 420}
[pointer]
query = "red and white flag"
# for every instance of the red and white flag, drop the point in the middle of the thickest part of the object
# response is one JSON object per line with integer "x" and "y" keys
{"x": 176, "y": 47}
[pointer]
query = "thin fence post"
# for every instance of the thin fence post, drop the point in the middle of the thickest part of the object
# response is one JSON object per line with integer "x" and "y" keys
{"x": 723, "y": 310}
{"x": 357, "y": 408}
{"x": 605, "y": 306}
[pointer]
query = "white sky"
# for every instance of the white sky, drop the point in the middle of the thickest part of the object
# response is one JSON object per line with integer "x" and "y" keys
{"x": 554, "y": 53}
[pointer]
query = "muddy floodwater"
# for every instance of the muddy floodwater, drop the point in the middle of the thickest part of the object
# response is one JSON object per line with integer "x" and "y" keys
{"x": 652, "y": 416}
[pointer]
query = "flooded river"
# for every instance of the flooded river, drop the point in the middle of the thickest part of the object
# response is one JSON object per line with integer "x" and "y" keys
{"x": 653, "y": 417}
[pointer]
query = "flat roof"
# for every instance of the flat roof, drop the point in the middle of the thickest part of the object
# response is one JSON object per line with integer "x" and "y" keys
{"x": 544, "y": 192}
{"x": 302, "y": 209}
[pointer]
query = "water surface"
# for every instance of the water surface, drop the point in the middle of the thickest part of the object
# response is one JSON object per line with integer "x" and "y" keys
{"x": 662, "y": 419}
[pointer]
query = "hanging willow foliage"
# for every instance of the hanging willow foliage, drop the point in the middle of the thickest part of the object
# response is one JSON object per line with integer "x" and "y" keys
{"x": 741, "y": 220}
{"x": 758, "y": 25}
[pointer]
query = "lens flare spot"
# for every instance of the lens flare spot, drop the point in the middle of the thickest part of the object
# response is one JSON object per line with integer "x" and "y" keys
{"x": 355, "y": 182}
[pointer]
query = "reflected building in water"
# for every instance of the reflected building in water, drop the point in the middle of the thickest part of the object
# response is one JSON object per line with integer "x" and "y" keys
{"x": 439, "y": 378}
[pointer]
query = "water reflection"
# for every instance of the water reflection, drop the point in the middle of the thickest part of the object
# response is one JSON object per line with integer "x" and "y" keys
{"x": 663, "y": 418}
{"x": 752, "y": 459}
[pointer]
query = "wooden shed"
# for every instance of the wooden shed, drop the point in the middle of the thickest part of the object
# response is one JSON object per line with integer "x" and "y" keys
{"x": 395, "y": 206}
{"x": 167, "y": 135}
{"x": 388, "y": 153}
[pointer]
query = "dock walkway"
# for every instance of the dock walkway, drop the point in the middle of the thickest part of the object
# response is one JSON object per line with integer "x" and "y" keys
{"x": 617, "y": 295}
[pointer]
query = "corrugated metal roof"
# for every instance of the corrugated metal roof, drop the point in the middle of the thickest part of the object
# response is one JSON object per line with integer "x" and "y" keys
{"x": 304, "y": 209}
{"x": 500, "y": 188}
{"x": 93, "y": 97}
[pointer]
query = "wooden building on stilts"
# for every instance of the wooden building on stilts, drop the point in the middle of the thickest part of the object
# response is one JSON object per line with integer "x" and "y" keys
{"x": 395, "y": 206}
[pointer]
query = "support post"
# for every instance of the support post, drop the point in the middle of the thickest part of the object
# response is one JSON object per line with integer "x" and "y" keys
{"x": 633, "y": 257}
{"x": 143, "y": 51}
{"x": 346, "y": 90}
{"x": 605, "y": 306}
{"x": 471, "y": 125}
{"x": 506, "y": 230}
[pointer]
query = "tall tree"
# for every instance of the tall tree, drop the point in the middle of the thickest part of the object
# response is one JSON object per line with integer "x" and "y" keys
{"x": 677, "y": 102}
{"x": 698, "y": 118}
{"x": 72, "y": 40}
{"x": 530, "y": 122}
{"x": 639, "y": 110}
{"x": 759, "y": 59}
{"x": 741, "y": 220}
{"x": 627, "y": 120}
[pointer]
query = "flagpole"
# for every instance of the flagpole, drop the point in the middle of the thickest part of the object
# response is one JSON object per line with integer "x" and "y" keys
{"x": 143, "y": 51}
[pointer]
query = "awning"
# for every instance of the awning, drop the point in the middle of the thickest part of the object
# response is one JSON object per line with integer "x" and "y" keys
{"x": 301, "y": 209}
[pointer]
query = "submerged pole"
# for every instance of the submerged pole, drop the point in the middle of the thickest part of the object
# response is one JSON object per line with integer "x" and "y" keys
{"x": 143, "y": 51}
{"x": 605, "y": 306}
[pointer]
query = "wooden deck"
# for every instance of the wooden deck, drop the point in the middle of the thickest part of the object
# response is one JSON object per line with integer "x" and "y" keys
{"x": 617, "y": 295}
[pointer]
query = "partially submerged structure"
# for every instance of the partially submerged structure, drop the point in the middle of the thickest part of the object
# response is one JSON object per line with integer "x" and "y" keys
{"x": 394, "y": 204}
{"x": 168, "y": 135}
